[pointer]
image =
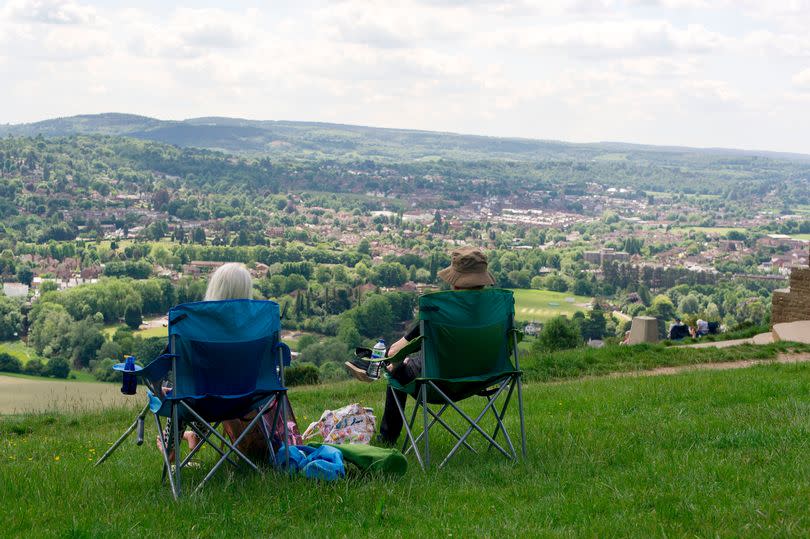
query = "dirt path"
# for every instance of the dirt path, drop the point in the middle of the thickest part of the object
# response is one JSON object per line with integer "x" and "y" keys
{"x": 717, "y": 366}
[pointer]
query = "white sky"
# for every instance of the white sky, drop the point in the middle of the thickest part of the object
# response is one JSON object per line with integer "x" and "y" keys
{"x": 690, "y": 72}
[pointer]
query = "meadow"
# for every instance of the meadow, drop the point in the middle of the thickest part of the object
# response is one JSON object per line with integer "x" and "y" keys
{"x": 695, "y": 454}
{"x": 540, "y": 305}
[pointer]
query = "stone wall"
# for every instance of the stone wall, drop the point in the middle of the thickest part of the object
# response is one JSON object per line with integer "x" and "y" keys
{"x": 793, "y": 304}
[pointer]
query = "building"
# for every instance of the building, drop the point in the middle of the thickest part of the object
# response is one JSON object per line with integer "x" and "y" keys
{"x": 605, "y": 256}
{"x": 15, "y": 290}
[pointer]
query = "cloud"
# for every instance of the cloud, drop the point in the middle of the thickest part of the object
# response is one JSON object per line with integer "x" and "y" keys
{"x": 50, "y": 12}
{"x": 617, "y": 39}
{"x": 801, "y": 80}
{"x": 190, "y": 33}
{"x": 396, "y": 24}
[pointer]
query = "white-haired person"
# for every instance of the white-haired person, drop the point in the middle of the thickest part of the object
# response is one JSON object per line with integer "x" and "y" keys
{"x": 229, "y": 281}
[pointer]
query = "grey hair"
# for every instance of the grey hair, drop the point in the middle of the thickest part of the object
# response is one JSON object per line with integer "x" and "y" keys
{"x": 229, "y": 281}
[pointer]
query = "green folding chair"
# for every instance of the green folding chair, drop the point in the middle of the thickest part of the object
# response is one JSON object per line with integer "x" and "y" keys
{"x": 468, "y": 343}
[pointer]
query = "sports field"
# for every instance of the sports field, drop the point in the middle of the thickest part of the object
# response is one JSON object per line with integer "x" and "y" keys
{"x": 540, "y": 305}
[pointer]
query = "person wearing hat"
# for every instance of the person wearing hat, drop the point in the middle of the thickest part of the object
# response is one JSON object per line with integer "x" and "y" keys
{"x": 467, "y": 271}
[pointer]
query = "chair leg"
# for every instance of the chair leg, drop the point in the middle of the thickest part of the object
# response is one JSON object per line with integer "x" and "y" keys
{"x": 413, "y": 419}
{"x": 167, "y": 468}
{"x": 522, "y": 420}
{"x": 408, "y": 431}
{"x": 499, "y": 419}
{"x": 443, "y": 423}
{"x": 473, "y": 423}
{"x": 232, "y": 447}
{"x": 282, "y": 404}
{"x": 124, "y": 436}
{"x": 425, "y": 424}
{"x": 177, "y": 445}
{"x": 204, "y": 439}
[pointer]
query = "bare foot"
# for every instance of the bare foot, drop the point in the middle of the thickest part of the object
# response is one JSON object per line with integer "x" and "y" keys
{"x": 192, "y": 439}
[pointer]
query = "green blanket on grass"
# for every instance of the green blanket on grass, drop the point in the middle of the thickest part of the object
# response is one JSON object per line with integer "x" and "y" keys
{"x": 372, "y": 459}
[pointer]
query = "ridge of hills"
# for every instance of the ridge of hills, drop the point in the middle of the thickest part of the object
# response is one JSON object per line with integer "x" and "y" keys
{"x": 342, "y": 141}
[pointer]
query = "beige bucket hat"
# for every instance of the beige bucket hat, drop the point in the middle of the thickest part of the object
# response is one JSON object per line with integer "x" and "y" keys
{"x": 468, "y": 269}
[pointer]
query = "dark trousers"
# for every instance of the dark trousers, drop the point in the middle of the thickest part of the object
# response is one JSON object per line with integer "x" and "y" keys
{"x": 391, "y": 423}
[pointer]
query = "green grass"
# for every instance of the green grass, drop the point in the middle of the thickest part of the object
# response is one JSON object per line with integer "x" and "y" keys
{"x": 800, "y": 236}
{"x": 110, "y": 330}
{"x": 540, "y": 305}
{"x": 709, "y": 229}
{"x": 19, "y": 350}
{"x": 567, "y": 364}
{"x": 24, "y": 353}
{"x": 698, "y": 454}
{"x": 20, "y": 393}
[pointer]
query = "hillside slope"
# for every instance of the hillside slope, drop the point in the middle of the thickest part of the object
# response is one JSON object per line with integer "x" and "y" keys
{"x": 357, "y": 142}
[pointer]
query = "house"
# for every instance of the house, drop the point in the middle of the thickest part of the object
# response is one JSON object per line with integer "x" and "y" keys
{"x": 15, "y": 290}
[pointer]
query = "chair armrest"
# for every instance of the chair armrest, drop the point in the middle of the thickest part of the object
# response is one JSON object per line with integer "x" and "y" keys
{"x": 412, "y": 346}
{"x": 158, "y": 368}
{"x": 286, "y": 355}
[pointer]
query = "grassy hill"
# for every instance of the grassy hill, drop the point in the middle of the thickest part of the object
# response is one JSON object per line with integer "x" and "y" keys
{"x": 697, "y": 454}
{"x": 359, "y": 142}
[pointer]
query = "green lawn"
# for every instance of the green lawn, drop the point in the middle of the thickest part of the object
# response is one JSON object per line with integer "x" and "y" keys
{"x": 109, "y": 330}
{"x": 800, "y": 236}
{"x": 709, "y": 229}
{"x": 25, "y": 353}
{"x": 699, "y": 454}
{"x": 19, "y": 350}
{"x": 540, "y": 305}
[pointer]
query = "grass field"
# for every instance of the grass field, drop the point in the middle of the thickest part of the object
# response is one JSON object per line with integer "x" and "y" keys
{"x": 697, "y": 454}
{"x": 145, "y": 333}
{"x": 540, "y": 305}
{"x": 19, "y": 350}
{"x": 800, "y": 236}
{"x": 708, "y": 229}
{"x": 25, "y": 353}
{"x": 21, "y": 394}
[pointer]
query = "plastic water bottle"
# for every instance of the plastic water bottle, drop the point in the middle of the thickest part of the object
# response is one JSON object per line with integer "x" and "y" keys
{"x": 377, "y": 353}
{"x": 130, "y": 382}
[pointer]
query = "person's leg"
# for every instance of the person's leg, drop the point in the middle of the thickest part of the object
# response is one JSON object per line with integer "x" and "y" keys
{"x": 391, "y": 422}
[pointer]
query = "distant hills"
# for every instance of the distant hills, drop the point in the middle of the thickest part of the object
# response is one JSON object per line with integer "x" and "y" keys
{"x": 338, "y": 141}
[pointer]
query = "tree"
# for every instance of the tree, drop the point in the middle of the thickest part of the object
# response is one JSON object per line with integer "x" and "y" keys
{"x": 556, "y": 283}
{"x": 57, "y": 367}
{"x": 110, "y": 350}
{"x": 662, "y": 308}
{"x": 594, "y": 324}
{"x": 689, "y": 304}
{"x": 558, "y": 333}
{"x": 374, "y": 318}
{"x": 25, "y": 275}
{"x": 10, "y": 318}
{"x": 389, "y": 274}
{"x": 133, "y": 317}
{"x": 85, "y": 340}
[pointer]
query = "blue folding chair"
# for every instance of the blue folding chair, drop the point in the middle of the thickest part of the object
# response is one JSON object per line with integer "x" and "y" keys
{"x": 225, "y": 361}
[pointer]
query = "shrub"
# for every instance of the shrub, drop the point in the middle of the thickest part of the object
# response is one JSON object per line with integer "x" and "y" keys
{"x": 101, "y": 369}
{"x": 57, "y": 368}
{"x": 302, "y": 374}
{"x": 34, "y": 367}
{"x": 559, "y": 333}
{"x": 9, "y": 363}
